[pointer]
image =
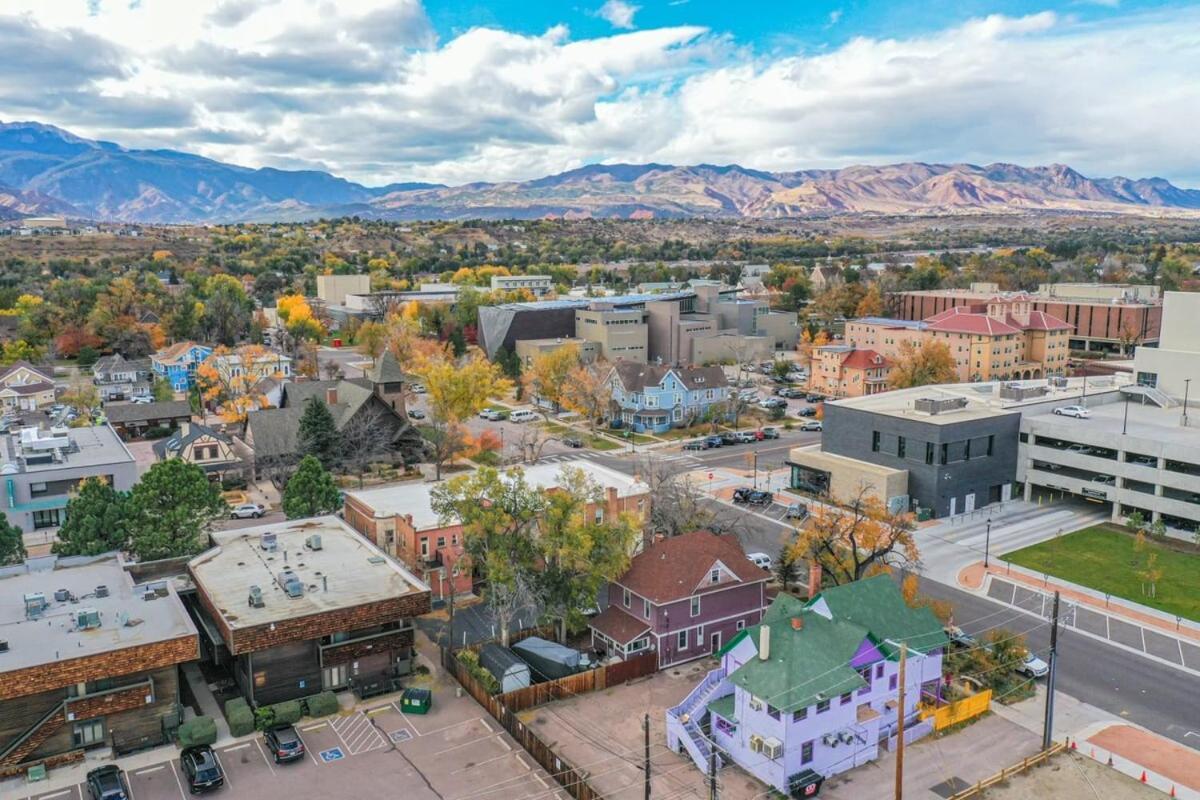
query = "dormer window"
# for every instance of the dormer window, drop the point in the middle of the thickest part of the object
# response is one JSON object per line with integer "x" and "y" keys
{"x": 715, "y": 575}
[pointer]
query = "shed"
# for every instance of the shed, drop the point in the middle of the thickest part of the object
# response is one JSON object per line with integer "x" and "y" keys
{"x": 548, "y": 659}
{"x": 509, "y": 671}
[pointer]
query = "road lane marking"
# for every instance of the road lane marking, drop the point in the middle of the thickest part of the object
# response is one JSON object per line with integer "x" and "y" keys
{"x": 148, "y": 770}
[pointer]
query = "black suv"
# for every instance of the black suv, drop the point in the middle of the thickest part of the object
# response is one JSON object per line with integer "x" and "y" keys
{"x": 285, "y": 744}
{"x": 572, "y": 441}
{"x": 753, "y": 497}
{"x": 729, "y": 437}
{"x": 201, "y": 769}
{"x": 806, "y": 411}
{"x": 107, "y": 783}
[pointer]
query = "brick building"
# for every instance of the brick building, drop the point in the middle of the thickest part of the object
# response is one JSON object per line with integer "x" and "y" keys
{"x": 88, "y": 658}
{"x": 840, "y": 370}
{"x": 299, "y": 607}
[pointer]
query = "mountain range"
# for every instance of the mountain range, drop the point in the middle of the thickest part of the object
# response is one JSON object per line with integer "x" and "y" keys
{"x": 44, "y": 169}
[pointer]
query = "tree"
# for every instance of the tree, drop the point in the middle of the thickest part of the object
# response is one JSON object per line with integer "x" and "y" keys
{"x": 81, "y": 394}
{"x": 929, "y": 363}
{"x": 546, "y": 374}
{"x": 586, "y": 392}
{"x": 162, "y": 390}
{"x": 871, "y": 304}
{"x": 1173, "y": 273}
{"x": 455, "y": 390}
{"x": 1150, "y": 575}
{"x": 678, "y": 504}
{"x": 226, "y": 309}
{"x": 316, "y": 433}
{"x": 230, "y": 379}
{"x": 20, "y": 350}
{"x": 580, "y": 551}
{"x": 95, "y": 520}
{"x": 310, "y": 492}
{"x": 447, "y": 441}
{"x": 781, "y": 367}
{"x": 857, "y": 541}
{"x": 364, "y": 439}
{"x": 785, "y": 567}
{"x": 498, "y": 513}
{"x": 171, "y": 510}
{"x": 12, "y": 543}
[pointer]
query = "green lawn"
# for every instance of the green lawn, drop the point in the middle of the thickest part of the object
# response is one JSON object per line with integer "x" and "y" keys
{"x": 1103, "y": 558}
{"x": 594, "y": 442}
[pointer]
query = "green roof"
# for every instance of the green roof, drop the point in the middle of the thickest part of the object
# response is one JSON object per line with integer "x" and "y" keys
{"x": 723, "y": 707}
{"x": 812, "y": 663}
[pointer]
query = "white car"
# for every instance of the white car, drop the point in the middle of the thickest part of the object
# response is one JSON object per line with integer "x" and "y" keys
{"x": 248, "y": 511}
{"x": 142, "y": 400}
{"x": 760, "y": 560}
{"x": 1033, "y": 667}
{"x": 812, "y": 425}
{"x": 1079, "y": 412}
{"x": 418, "y": 389}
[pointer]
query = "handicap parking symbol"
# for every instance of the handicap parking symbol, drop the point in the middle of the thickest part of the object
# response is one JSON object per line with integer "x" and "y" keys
{"x": 332, "y": 754}
{"x": 399, "y": 736}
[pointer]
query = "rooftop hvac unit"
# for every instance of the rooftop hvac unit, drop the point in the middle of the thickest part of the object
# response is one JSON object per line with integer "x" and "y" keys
{"x": 102, "y": 591}
{"x": 61, "y": 595}
{"x": 35, "y": 604}
{"x": 256, "y": 597}
{"x": 313, "y": 542}
{"x": 269, "y": 542}
{"x": 772, "y": 747}
{"x": 291, "y": 583}
{"x": 86, "y": 619}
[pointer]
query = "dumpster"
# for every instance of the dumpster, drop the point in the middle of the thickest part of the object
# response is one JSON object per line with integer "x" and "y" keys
{"x": 337, "y": 342}
{"x": 806, "y": 783}
{"x": 416, "y": 701}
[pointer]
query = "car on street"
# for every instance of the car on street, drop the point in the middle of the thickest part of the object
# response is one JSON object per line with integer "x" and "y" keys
{"x": 729, "y": 437}
{"x": 813, "y": 398}
{"x": 142, "y": 400}
{"x": 493, "y": 414}
{"x": 789, "y": 392}
{"x": 812, "y": 425}
{"x": 416, "y": 413}
{"x": 760, "y": 560}
{"x": 713, "y": 441}
{"x": 752, "y": 497}
{"x": 284, "y": 743}
{"x": 806, "y": 411}
{"x": 769, "y": 433}
{"x": 572, "y": 441}
{"x": 696, "y": 444}
{"x": 418, "y": 388}
{"x": 107, "y": 783}
{"x": 772, "y": 402}
{"x": 958, "y": 637}
{"x": 248, "y": 511}
{"x": 1079, "y": 412}
{"x": 522, "y": 415}
{"x": 796, "y": 511}
{"x": 201, "y": 769}
{"x": 746, "y": 437}
{"x": 1033, "y": 667}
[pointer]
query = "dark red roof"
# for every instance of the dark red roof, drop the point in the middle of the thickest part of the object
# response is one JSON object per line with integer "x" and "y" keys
{"x": 622, "y": 628}
{"x": 865, "y": 359}
{"x": 1041, "y": 321}
{"x": 962, "y": 320}
{"x": 675, "y": 568}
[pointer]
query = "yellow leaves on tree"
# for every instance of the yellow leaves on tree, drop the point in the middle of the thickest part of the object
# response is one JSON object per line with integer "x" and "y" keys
{"x": 297, "y": 316}
{"x": 929, "y": 363}
{"x": 456, "y": 389}
{"x": 871, "y": 304}
{"x": 231, "y": 380}
{"x": 546, "y": 376}
{"x": 586, "y": 392}
{"x": 161, "y": 255}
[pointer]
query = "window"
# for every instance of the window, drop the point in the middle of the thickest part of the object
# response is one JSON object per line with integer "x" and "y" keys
{"x": 682, "y": 640}
{"x": 741, "y": 624}
{"x": 634, "y": 647}
{"x": 715, "y": 575}
{"x": 822, "y": 706}
{"x": 875, "y": 441}
{"x": 45, "y": 518}
{"x": 900, "y": 446}
{"x": 696, "y": 606}
{"x": 441, "y": 541}
{"x": 799, "y": 715}
{"x": 772, "y": 711}
{"x": 424, "y": 548}
{"x": 646, "y": 609}
{"x": 929, "y": 452}
{"x": 846, "y": 697}
{"x": 89, "y": 732}
{"x": 892, "y": 682}
{"x": 806, "y": 753}
{"x": 625, "y": 597}
{"x": 878, "y": 671}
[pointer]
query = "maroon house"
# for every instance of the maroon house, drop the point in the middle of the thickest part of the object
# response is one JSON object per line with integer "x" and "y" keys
{"x": 682, "y": 597}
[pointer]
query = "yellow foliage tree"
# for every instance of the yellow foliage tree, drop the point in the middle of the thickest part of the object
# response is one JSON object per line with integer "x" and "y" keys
{"x": 931, "y": 362}
{"x": 455, "y": 390}
{"x": 871, "y": 304}
{"x": 230, "y": 380}
{"x": 547, "y": 374}
{"x": 586, "y": 393}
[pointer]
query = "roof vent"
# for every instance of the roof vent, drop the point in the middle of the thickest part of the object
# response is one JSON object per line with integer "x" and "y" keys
{"x": 61, "y": 595}
{"x": 102, "y": 591}
{"x": 797, "y": 623}
{"x": 291, "y": 583}
{"x": 35, "y": 604}
{"x": 256, "y": 597}
{"x": 313, "y": 542}
{"x": 86, "y": 619}
{"x": 3, "y": 645}
{"x": 268, "y": 542}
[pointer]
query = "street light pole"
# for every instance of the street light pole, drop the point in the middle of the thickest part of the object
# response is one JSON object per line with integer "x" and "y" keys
{"x": 756, "y": 469}
{"x": 987, "y": 543}
{"x": 1187, "y": 384}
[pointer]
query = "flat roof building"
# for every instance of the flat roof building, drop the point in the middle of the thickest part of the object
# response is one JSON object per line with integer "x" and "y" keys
{"x": 88, "y": 656}
{"x": 304, "y": 606}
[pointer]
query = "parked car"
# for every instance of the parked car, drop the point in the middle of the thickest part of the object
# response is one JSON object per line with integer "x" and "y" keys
{"x": 284, "y": 743}
{"x": 572, "y": 441}
{"x": 696, "y": 444}
{"x": 1107, "y": 480}
{"x": 57, "y": 408}
{"x": 201, "y": 769}
{"x": 772, "y": 402}
{"x": 522, "y": 415}
{"x": 1079, "y": 412}
{"x": 1082, "y": 449}
{"x": 753, "y": 497}
{"x": 760, "y": 560}
{"x": 813, "y": 398}
{"x": 248, "y": 511}
{"x": 769, "y": 433}
{"x": 797, "y": 377}
{"x": 796, "y": 511}
{"x": 729, "y": 437}
{"x": 958, "y": 637}
{"x": 418, "y": 388}
{"x": 713, "y": 441}
{"x": 812, "y": 425}
{"x": 416, "y": 413}
{"x": 746, "y": 437}
{"x": 493, "y": 414}
{"x": 142, "y": 400}
{"x": 806, "y": 411}
{"x": 1033, "y": 667}
{"x": 107, "y": 783}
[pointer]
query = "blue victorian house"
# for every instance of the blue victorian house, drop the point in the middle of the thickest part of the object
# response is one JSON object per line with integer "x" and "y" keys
{"x": 178, "y": 363}
{"x": 653, "y": 398}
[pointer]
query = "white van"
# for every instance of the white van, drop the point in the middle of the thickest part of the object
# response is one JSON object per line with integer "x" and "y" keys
{"x": 522, "y": 415}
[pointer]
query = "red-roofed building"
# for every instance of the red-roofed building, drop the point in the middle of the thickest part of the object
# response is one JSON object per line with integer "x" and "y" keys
{"x": 682, "y": 597}
{"x": 847, "y": 371}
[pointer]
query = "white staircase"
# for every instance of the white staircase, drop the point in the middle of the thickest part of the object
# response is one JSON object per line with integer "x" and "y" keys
{"x": 1156, "y": 396}
{"x": 683, "y": 721}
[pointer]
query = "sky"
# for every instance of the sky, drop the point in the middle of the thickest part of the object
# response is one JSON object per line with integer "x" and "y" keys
{"x": 455, "y": 91}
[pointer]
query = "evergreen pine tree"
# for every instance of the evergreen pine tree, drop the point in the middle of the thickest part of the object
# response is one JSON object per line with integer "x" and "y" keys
{"x": 95, "y": 521}
{"x": 317, "y": 434}
{"x": 310, "y": 491}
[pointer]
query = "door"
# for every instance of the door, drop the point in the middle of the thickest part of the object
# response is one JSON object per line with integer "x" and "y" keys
{"x": 714, "y": 642}
{"x": 335, "y": 677}
{"x": 969, "y": 503}
{"x": 953, "y": 506}
{"x": 1006, "y": 493}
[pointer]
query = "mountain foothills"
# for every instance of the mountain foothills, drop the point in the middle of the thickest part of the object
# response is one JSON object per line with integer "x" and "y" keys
{"x": 44, "y": 169}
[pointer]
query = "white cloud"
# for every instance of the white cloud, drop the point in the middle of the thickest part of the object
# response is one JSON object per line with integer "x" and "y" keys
{"x": 364, "y": 89}
{"x": 835, "y": 17}
{"x": 618, "y": 13}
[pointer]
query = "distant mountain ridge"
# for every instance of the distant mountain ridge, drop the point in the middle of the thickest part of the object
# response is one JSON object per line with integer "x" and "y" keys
{"x": 44, "y": 169}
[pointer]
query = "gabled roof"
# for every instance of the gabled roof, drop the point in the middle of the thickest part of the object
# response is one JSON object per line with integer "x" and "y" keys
{"x": 961, "y": 319}
{"x": 675, "y": 568}
{"x": 811, "y": 662}
{"x": 865, "y": 359}
{"x": 142, "y": 412}
{"x": 174, "y": 444}
{"x": 619, "y": 625}
{"x": 176, "y": 351}
{"x": 17, "y": 365}
{"x": 386, "y": 369}
{"x": 274, "y": 430}
{"x": 635, "y": 377}
{"x": 1041, "y": 321}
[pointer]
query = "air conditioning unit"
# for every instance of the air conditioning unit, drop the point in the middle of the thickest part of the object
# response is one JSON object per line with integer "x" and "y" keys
{"x": 102, "y": 591}
{"x": 846, "y": 737}
{"x": 829, "y": 740}
{"x": 86, "y": 619}
{"x": 268, "y": 542}
{"x": 313, "y": 542}
{"x": 256, "y": 597}
{"x": 756, "y": 743}
{"x": 772, "y": 747}
{"x": 755, "y": 704}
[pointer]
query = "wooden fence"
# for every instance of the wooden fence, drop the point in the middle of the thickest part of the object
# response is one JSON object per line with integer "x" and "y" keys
{"x": 1008, "y": 772}
{"x": 958, "y": 711}
{"x": 505, "y": 707}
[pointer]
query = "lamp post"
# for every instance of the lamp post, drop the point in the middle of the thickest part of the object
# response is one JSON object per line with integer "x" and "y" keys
{"x": 1187, "y": 384}
{"x": 987, "y": 543}
{"x": 756, "y": 469}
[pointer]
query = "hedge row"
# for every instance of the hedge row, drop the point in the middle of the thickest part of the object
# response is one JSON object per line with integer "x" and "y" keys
{"x": 201, "y": 730}
{"x": 242, "y": 720}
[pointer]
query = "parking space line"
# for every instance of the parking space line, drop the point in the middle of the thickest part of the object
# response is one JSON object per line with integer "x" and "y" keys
{"x": 448, "y": 727}
{"x": 179, "y": 783}
{"x": 224, "y": 771}
{"x": 56, "y": 794}
{"x": 128, "y": 785}
{"x": 263, "y": 753}
{"x": 486, "y": 725}
{"x": 316, "y": 727}
{"x": 148, "y": 770}
{"x": 468, "y": 744}
{"x": 236, "y": 747}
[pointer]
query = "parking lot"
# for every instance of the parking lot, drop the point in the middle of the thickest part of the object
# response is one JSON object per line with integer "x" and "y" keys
{"x": 456, "y": 752}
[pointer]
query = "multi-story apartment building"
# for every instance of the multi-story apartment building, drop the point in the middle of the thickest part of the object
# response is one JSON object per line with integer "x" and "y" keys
{"x": 840, "y": 370}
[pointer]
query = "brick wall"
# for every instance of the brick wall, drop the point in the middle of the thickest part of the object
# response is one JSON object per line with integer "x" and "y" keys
{"x": 353, "y": 651}
{"x": 58, "y": 674}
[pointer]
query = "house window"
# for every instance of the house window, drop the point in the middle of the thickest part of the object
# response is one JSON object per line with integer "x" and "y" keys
{"x": 892, "y": 682}
{"x": 772, "y": 711}
{"x": 799, "y": 715}
{"x": 682, "y": 640}
{"x": 715, "y": 575}
{"x": 846, "y": 697}
{"x": 625, "y": 599}
{"x": 634, "y": 647}
{"x": 875, "y": 437}
{"x": 424, "y": 548}
{"x": 878, "y": 671}
{"x": 695, "y": 606}
{"x": 45, "y": 518}
{"x": 441, "y": 540}
{"x": 900, "y": 446}
{"x": 822, "y": 706}
{"x": 806, "y": 753}
{"x": 741, "y": 624}
{"x": 88, "y": 732}
{"x": 646, "y": 609}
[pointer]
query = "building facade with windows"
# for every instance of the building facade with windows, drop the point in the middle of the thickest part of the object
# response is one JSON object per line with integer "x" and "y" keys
{"x": 647, "y": 397}
{"x": 178, "y": 363}
{"x": 89, "y": 659}
{"x": 24, "y": 387}
{"x": 118, "y": 378}
{"x": 840, "y": 370}
{"x": 539, "y": 285}
{"x": 683, "y": 597}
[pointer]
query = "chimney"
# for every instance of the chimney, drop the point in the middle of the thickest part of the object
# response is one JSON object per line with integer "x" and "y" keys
{"x": 184, "y": 427}
{"x": 797, "y": 623}
{"x": 331, "y": 396}
{"x": 764, "y": 642}
{"x": 814, "y": 578}
{"x": 611, "y": 507}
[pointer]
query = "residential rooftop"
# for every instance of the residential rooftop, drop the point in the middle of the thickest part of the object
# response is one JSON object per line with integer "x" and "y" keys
{"x": 33, "y": 449}
{"x": 124, "y": 617}
{"x": 342, "y": 571}
{"x": 413, "y": 497}
{"x": 888, "y": 322}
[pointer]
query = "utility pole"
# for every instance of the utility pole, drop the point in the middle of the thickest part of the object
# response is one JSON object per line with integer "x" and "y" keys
{"x": 900, "y": 725}
{"x": 987, "y": 543}
{"x": 646, "y": 727}
{"x": 1048, "y": 726}
{"x": 712, "y": 774}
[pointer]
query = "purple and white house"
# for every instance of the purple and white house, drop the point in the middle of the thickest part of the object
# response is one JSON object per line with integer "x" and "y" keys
{"x": 813, "y": 689}
{"x": 684, "y": 597}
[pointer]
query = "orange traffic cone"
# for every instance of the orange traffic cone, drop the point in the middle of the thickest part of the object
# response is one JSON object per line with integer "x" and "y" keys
{"x": 1143, "y": 776}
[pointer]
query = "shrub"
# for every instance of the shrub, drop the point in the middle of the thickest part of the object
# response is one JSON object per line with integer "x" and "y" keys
{"x": 201, "y": 730}
{"x": 287, "y": 713}
{"x": 240, "y": 717}
{"x": 158, "y": 432}
{"x": 264, "y": 717}
{"x": 320, "y": 705}
{"x": 470, "y": 660}
{"x": 232, "y": 483}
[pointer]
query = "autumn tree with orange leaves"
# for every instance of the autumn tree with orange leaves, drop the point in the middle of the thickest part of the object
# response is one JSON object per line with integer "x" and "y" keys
{"x": 230, "y": 380}
{"x": 856, "y": 541}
